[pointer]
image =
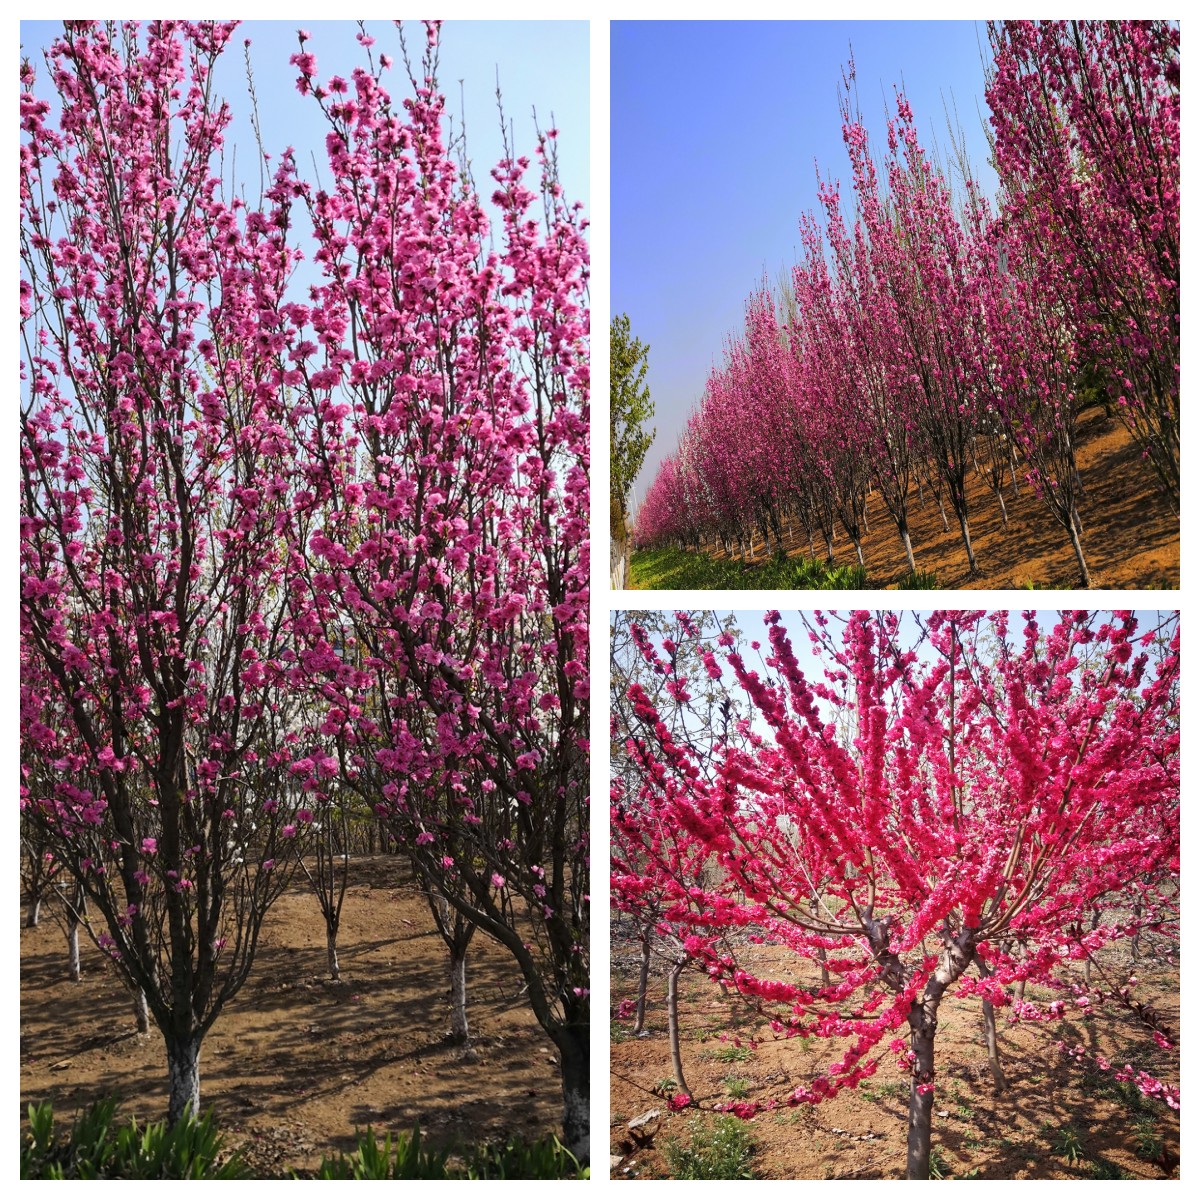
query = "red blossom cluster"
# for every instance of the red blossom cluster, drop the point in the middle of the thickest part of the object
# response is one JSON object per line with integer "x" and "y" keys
{"x": 909, "y": 810}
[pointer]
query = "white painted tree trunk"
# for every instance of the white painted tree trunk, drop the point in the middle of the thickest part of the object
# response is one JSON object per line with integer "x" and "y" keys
{"x": 34, "y": 914}
{"x": 573, "y": 1051}
{"x": 183, "y": 1077}
{"x": 335, "y": 970}
{"x": 459, "y": 1029}
{"x": 73, "y": 967}
{"x": 141, "y": 1011}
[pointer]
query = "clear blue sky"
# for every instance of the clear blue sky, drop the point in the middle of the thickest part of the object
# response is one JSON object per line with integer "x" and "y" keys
{"x": 716, "y": 127}
{"x": 542, "y": 64}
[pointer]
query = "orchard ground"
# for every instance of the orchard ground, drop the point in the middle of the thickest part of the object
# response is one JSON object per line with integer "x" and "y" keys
{"x": 1054, "y": 1121}
{"x": 296, "y": 1063}
{"x": 1130, "y": 537}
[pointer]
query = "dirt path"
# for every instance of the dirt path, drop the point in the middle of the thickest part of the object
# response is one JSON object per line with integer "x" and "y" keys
{"x": 296, "y": 1063}
{"x": 861, "y": 1133}
{"x": 1130, "y": 537}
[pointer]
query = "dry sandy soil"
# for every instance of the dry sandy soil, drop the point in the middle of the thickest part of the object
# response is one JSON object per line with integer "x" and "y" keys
{"x": 1130, "y": 537}
{"x": 297, "y": 1063}
{"x": 861, "y": 1133}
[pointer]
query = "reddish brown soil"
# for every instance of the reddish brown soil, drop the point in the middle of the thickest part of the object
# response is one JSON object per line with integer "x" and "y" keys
{"x": 1130, "y": 537}
{"x": 861, "y": 1133}
{"x": 297, "y": 1063}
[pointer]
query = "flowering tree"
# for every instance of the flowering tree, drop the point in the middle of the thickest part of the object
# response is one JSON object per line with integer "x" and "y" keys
{"x": 443, "y": 413}
{"x": 1086, "y": 123}
{"x": 922, "y": 810}
{"x": 156, "y": 506}
{"x": 278, "y": 554}
{"x": 932, "y": 334}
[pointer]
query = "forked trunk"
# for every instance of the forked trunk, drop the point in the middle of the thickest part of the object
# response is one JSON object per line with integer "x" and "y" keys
{"x": 183, "y": 1077}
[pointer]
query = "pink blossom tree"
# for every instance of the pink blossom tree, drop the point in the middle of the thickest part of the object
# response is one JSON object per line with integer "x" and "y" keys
{"x": 1086, "y": 122}
{"x": 156, "y": 509}
{"x": 919, "y": 810}
{"x": 443, "y": 406}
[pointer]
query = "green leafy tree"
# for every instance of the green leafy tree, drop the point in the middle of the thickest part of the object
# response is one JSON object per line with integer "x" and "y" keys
{"x": 629, "y": 410}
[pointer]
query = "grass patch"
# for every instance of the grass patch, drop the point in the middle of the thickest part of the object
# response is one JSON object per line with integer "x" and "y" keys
{"x": 655, "y": 569}
{"x": 736, "y": 1088}
{"x": 918, "y": 581}
{"x": 727, "y": 1054}
{"x": 721, "y": 1149}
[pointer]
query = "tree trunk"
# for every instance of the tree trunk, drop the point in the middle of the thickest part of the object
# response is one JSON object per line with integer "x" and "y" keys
{"x": 460, "y": 1031}
{"x": 1000, "y": 497}
{"x": 966, "y": 537}
{"x": 920, "y": 1104}
{"x": 573, "y": 1048}
{"x": 34, "y": 913}
{"x": 1077, "y": 546}
{"x": 862, "y": 562}
{"x": 73, "y": 968}
{"x": 989, "y": 1032}
{"x": 643, "y": 983}
{"x": 183, "y": 1077}
{"x": 908, "y": 553}
{"x": 335, "y": 970}
{"x": 141, "y": 1011}
{"x": 673, "y": 1023}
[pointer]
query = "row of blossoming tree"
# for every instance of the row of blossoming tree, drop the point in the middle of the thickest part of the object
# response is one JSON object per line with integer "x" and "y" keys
{"x": 956, "y": 804}
{"x": 926, "y": 337}
{"x": 290, "y": 550}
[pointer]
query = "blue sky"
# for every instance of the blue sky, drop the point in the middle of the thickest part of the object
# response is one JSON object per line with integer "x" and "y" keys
{"x": 540, "y": 63}
{"x": 715, "y": 128}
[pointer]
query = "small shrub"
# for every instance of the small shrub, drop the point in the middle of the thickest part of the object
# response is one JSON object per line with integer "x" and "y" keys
{"x": 400, "y": 1158}
{"x": 1067, "y": 1145}
{"x": 918, "y": 581}
{"x": 939, "y": 1166}
{"x": 720, "y": 1150}
{"x": 1148, "y": 1138}
{"x": 96, "y": 1149}
{"x": 515, "y": 1158}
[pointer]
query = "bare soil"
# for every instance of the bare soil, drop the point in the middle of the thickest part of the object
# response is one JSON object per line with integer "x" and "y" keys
{"x": 861, "y": 1133}
{"x": 296, "y": 1063}
{"x": 1130, "y": 536}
